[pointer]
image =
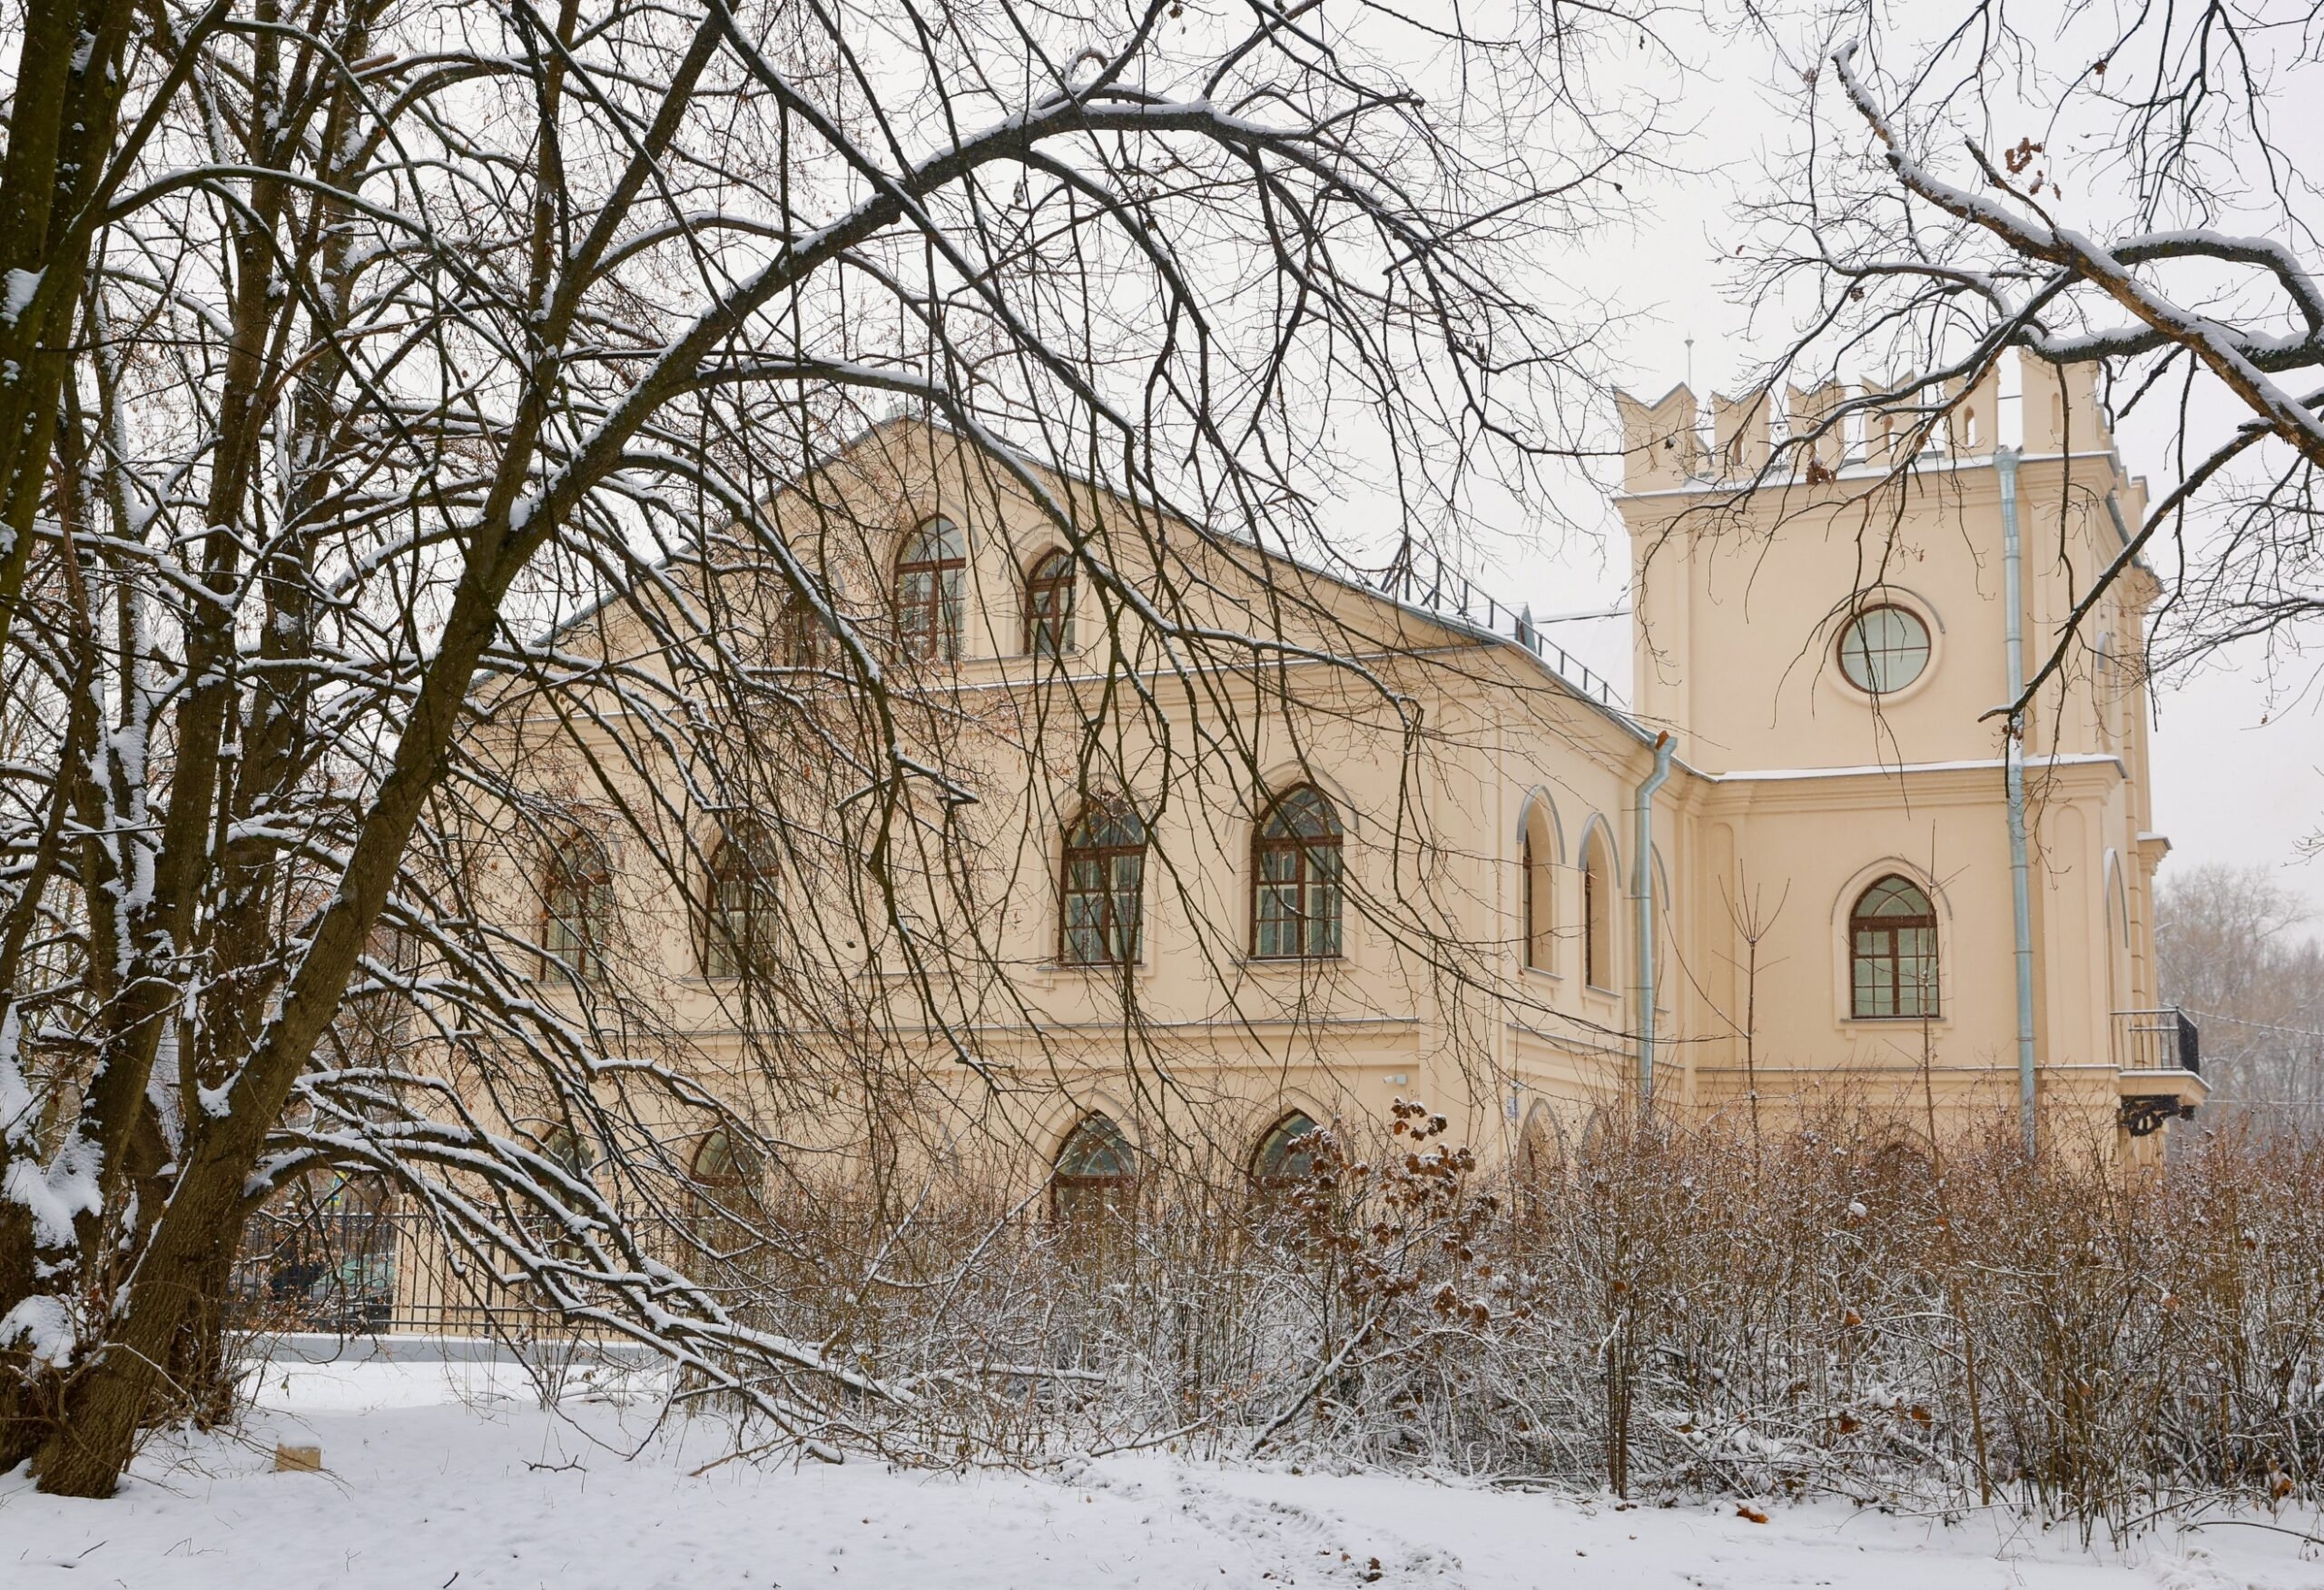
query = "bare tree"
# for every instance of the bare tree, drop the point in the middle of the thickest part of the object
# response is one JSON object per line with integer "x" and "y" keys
{"x": 2116, "y": 186}
{"x": 363, "y": 356}
{"x": 2232, "y": 952}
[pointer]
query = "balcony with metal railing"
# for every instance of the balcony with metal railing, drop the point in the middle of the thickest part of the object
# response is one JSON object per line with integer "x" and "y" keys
{"x": 2158, "y": 1064}
{"x": 2162, "y": 1040}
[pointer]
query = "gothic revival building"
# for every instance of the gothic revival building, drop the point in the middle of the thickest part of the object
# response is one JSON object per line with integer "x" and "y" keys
{"x": 1314, "y": 844}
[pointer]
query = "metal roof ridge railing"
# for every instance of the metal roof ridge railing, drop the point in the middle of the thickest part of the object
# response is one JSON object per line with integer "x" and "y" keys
{"x": 1449, "y": 594}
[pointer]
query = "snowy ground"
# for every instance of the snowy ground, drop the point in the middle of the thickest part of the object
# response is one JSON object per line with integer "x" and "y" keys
{"x": 444, "y": 1475}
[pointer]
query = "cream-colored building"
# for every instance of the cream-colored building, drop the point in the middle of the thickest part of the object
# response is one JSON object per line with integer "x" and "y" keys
{"x": 1233, "y": 843}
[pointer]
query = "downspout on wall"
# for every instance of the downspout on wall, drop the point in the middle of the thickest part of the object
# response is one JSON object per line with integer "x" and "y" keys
{"x": 1642, "y": 912}
{"x": 2013, "y": 752}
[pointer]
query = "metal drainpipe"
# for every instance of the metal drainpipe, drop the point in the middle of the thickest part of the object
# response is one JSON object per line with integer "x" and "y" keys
{"x": 2013, "y": 756}
{"x": 1643, "y": 913}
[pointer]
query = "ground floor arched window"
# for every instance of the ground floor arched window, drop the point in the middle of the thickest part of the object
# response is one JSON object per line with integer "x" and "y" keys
{"x": 1096, "y": 1173}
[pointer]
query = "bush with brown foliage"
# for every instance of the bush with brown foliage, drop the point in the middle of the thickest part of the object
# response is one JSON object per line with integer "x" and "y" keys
{"x": 1683, "y": 1311}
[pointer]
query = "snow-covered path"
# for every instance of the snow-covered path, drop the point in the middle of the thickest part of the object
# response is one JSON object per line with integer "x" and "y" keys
{"x": 420, "y": 1493}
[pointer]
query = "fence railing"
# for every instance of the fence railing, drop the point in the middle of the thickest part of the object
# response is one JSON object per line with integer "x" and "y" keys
{"x": 2162, "y": 1040}
{"x": 1449, "y": 594}
{"x": 355, "y": 1272}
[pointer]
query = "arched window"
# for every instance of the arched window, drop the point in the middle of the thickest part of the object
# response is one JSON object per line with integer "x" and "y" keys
{"x": 1597, "y": 912}
{"x": 932, "y": 588}
{"x": 1295, "y": 878}
{"x": 1892, "y": 952}
{"x": 1537, "y": 890}
{"x": 1101, "y": 913}
{"x": 1287, "y": 1153}
{"x": 1096, "y": 1171}
{"x": 742, "y": 907}
{"x": 725, "y": 1186}
{"x": 562, "y": 1147}
{"x": 1596, "y": 1136}
{"x": 806, "y": 636}
{"x": 1539, "y": 1147}
{"x": 576, "y": 903}
{"x": 1048, "y": 605}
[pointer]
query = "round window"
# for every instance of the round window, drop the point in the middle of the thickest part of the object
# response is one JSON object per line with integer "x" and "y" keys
{"x": 1884, "y": 649}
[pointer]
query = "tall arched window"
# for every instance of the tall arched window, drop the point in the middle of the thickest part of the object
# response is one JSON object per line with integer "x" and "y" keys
{"x": 1049, "y": 604}
{"x": 576, "y": 903}
{"x": 1597, "y": 912}
{"x": 931, "y": 590}
{"x": 562, "y": 1147}
{"x": 566, "y": 1149}
{"x": 1537, "y": 889}
{"x": 1891, "y": 951}
{"x": 741, "y": 914}
{"x": 1101, "y": 913}
{"x": 725, "y": 1184}
{"x": 1287, "y": 1153}
{"x": 806, "y": 636}
{"x": 1539, "y": 1148}
{"x": 1096, "y": 1172}
{"x": 1295, "y": 878}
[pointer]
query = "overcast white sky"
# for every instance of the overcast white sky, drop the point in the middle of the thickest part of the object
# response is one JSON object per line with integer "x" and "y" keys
{"x": 2239, "y": 758}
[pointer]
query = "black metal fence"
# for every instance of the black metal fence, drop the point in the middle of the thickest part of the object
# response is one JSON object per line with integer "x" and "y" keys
{"x": 322, "y": 1269}
{"x": 359, "y": 1271}
{"x": 2162, "y": 1040}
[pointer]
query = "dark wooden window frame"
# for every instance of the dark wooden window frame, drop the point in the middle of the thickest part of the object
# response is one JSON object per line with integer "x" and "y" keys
{"x": 576, "y": 903}
{"x": 721, "y": 1193}
{"x": 1091, "y": 867}
{"x": 1049, "y": 604}
{"x": 1877, "y": 940}
{"x": 929, "y": 623}
{"x": 725, "y": 951}
{"x": 1310, "y": 868}
{"x": 1075, "y": 1192}
{"x": 1277, "y": 1146}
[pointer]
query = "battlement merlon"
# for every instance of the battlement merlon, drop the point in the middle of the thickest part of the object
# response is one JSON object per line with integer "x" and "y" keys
{"x": 1670, "y": 445}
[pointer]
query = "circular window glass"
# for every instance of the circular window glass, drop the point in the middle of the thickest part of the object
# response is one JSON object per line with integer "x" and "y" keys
{"x": 1884, "y": 649}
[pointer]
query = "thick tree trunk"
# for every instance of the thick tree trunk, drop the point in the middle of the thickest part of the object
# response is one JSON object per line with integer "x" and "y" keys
{"x": 202, "y": 1359}
{"x": 108, "y": 1403}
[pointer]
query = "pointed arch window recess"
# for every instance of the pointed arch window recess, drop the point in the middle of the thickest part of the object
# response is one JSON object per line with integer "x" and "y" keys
{"x": 1537, "y": 889}
{"x": 1287, "y": 1154}
{"x": 1540, "y": 1145}
{"x": 1892, "y": 953}
{"x": 1096, "y": 1171}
